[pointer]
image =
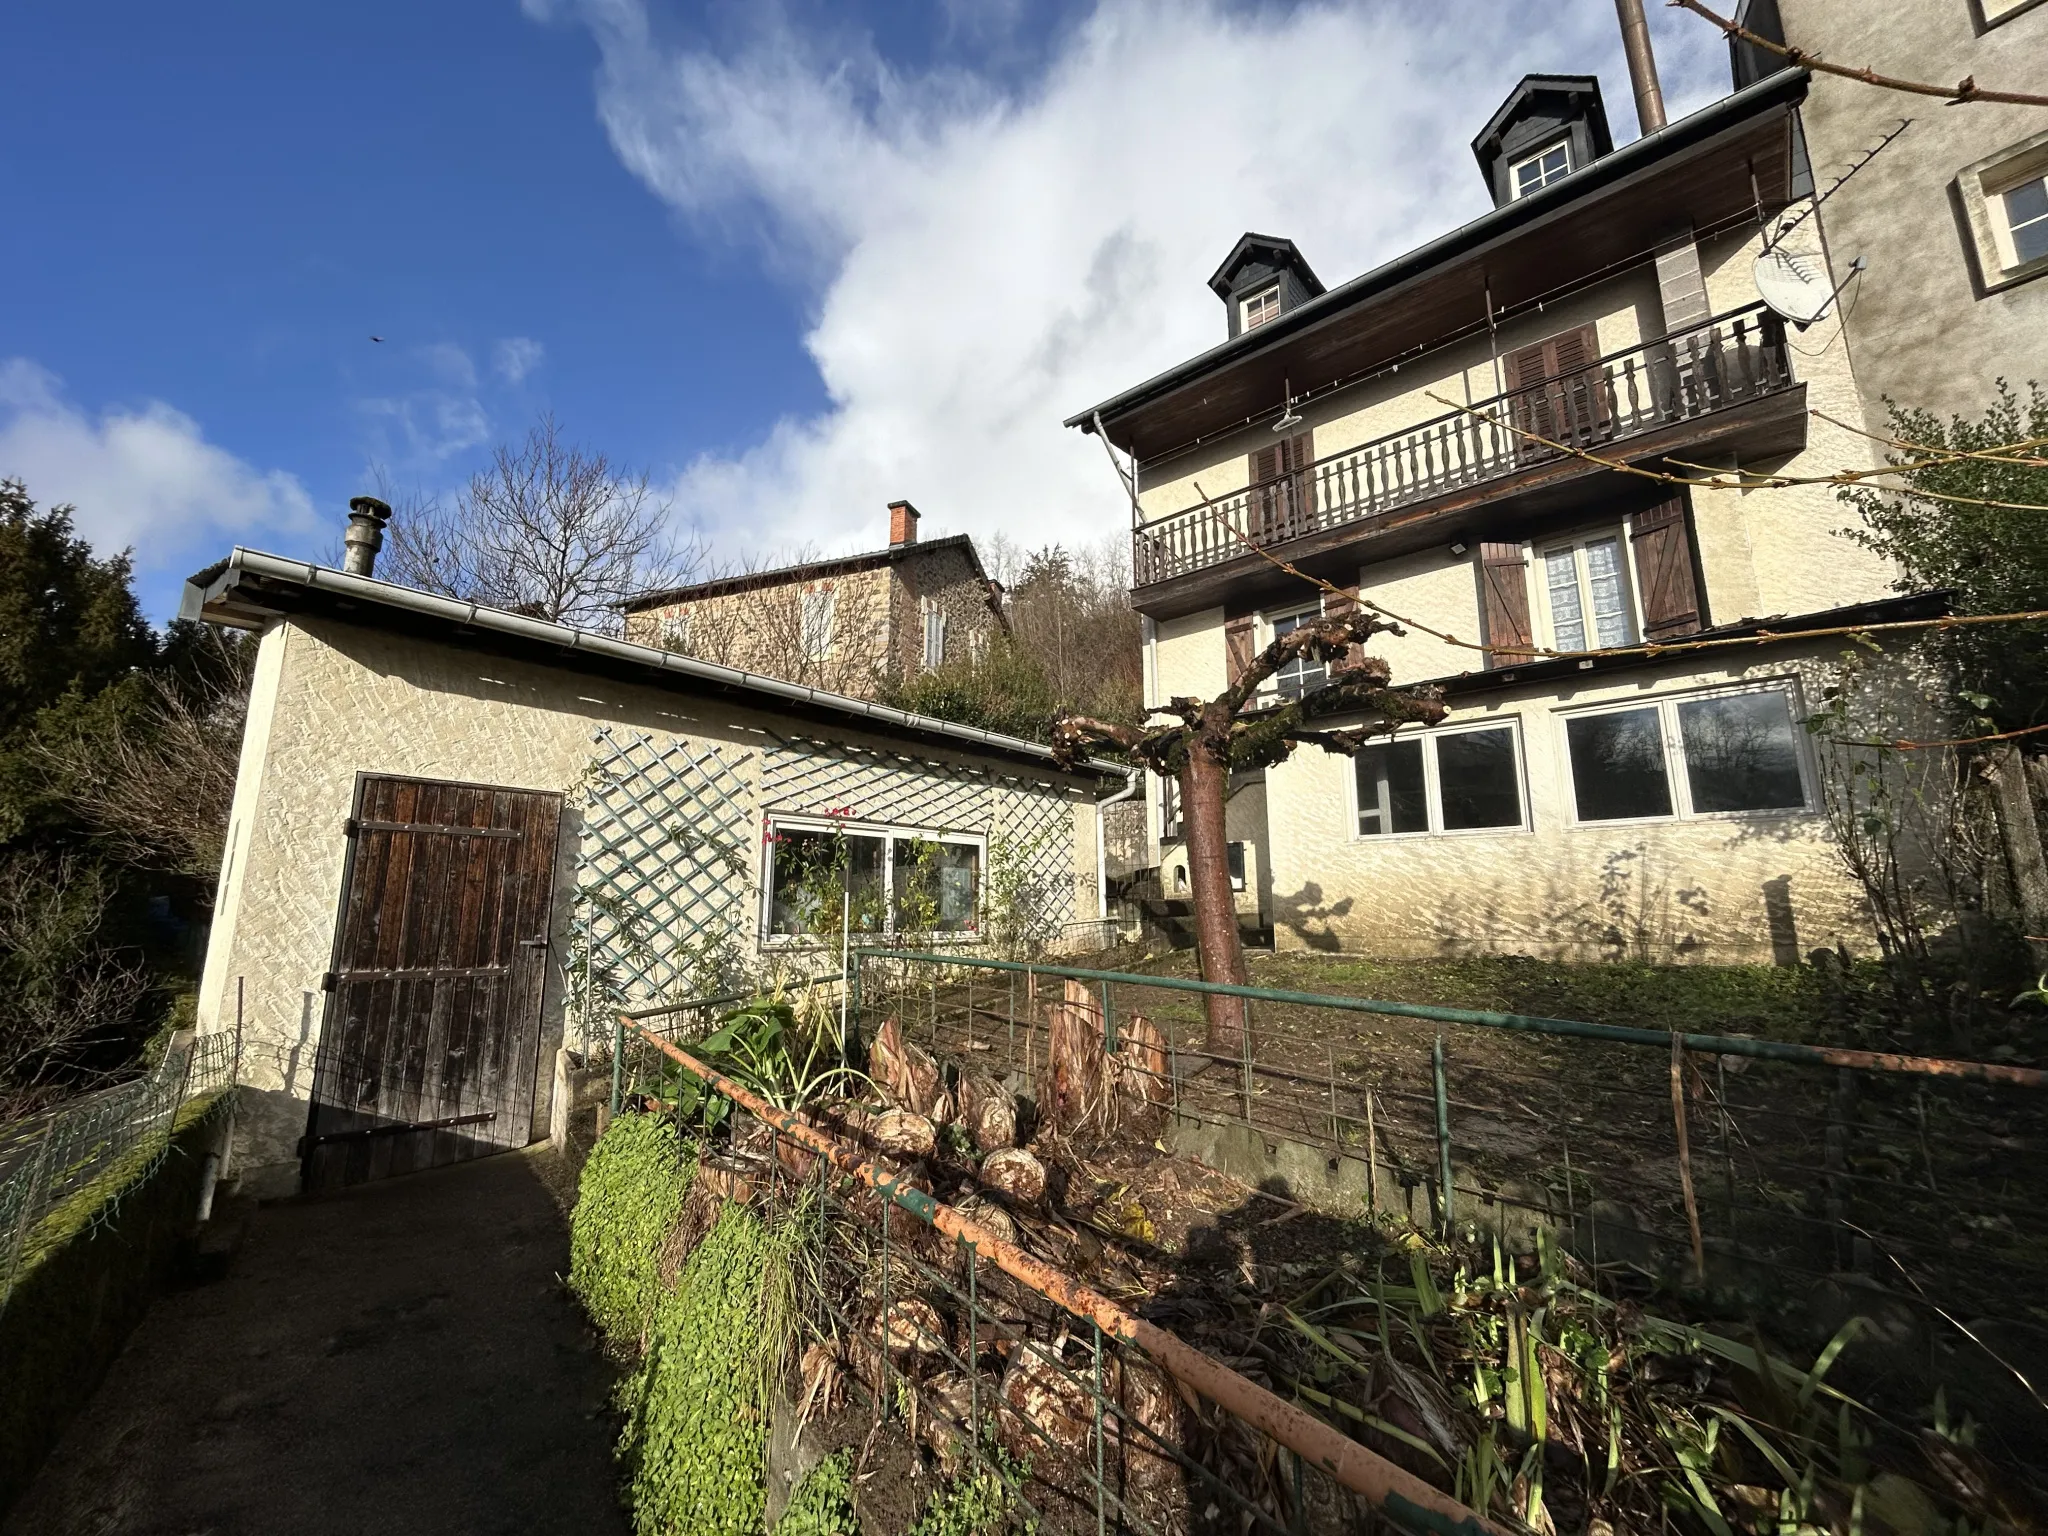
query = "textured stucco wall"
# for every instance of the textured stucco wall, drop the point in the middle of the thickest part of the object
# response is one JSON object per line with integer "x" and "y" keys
{"x": 1921, "y": 329}
{"x": 331, "y": 701}
{"x": 1660, "y": 890}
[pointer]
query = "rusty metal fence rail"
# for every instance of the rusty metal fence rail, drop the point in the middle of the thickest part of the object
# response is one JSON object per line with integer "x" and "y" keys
{"x": 49, "y": 1159}
{"x": 1801, "y": 1183}
{"x": 1005, "y": 1367}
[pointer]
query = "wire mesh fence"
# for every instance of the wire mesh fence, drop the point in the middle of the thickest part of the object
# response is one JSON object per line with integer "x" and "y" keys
{"x": 954, "y": 1338}
{"x": 1760, "y": 1178}
{"x": 50, "y": 1159}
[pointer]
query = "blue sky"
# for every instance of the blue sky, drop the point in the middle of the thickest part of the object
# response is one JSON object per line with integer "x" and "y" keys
{"x": 794, "y": 261}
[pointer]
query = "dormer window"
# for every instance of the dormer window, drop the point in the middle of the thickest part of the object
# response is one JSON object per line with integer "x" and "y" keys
{"x": 1261, "y": 307}
{"x": 1553, "y": 163}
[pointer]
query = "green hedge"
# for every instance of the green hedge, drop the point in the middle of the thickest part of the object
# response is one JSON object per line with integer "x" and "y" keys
{"x": 88, "y": 1273}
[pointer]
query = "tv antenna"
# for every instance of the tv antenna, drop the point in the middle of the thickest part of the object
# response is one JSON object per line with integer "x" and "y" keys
{"x": 1868, "y": 155}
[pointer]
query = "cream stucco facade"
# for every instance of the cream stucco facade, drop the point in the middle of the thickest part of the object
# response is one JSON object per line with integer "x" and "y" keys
{"x": 333, "y": 700}
{"x": 1438, "y": 519}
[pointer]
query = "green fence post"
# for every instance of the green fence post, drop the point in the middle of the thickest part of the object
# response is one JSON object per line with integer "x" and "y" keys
{"x": 1443, "y": 1131}
{"x": 618, "y": 1063}
{"x": 1108, "y": 1021}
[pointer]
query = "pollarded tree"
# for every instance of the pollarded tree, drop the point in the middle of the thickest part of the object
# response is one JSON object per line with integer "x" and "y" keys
{"x": 1238, "y": 730}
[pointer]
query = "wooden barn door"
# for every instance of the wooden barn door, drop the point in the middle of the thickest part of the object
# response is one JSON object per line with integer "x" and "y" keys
{"x": 432, "y": 1031}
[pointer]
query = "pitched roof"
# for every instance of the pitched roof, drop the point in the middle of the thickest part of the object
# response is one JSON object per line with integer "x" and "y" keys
{"x": 807, "y": 570}
{"x": 250, "y": 588}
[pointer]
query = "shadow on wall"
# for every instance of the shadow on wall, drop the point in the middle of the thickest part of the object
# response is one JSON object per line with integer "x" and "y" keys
{"x": 1635, "y": 911}
{"x": 1310, "y": 918}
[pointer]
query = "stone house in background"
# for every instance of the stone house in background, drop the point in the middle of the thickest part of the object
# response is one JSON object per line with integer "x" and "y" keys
{"x": 845, "y": 624}
{"x": 1413, "y": 437}
{"x": 461, "y": 836}
{"x": 1951, "y": 217}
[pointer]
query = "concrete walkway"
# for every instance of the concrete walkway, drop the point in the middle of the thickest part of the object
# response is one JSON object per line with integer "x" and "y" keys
{"x": 399, "y": 1358}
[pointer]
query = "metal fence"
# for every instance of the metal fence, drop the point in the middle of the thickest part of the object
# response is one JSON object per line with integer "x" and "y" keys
{"x": 1762, "y": 1178}
{"x": 49, "y": 1159}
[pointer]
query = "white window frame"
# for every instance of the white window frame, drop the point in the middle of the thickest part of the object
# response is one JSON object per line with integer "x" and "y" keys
{"x": 1267, "y": 632}
{"x": 773, "y": 823}
{"x": 1170, "y": 828}
{"x": 1432, "y": 783}
{"x": 1516, "y": 191}
{"x": 934, "y": 635}
{"x": 1678, "y": 782}
{"x": 1534, "y": 566}
{"x": 1981, "y": 188}
{"x": 816, "y": 619}
{"x": 1265, "y": 314}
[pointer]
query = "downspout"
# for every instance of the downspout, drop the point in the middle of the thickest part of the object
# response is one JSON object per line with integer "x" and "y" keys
{"x": 1131, "y": 782}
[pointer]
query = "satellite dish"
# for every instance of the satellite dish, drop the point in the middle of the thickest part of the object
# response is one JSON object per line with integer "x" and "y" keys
{"x": 1796, "y": 286}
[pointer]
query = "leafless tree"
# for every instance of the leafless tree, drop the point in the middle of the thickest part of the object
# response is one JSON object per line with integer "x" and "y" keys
{"x": 1239, "y": 730}
{"x": 61, "y": 988}
{"x": 157, "y": 792}
{"x": 551, "y": 529}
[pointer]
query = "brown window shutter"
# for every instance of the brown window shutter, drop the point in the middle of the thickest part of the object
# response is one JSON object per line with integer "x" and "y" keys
{"x": 1503, "y": 601}
{"x": 1662, "y": 536}
{"x": 1523, "y": 367}
{"x": 1262, "y": 510}
{"x": 1237, "y": 646}
{"x": 1301, "y": 453}
{"x": 1341, "y": 604}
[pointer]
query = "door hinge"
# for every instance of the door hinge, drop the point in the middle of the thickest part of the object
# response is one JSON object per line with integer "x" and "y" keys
{"x": 351, "y": 827}
{"x": 327, "y": 981}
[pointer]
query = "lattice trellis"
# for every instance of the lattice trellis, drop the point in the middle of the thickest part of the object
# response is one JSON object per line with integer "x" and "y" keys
{"x": 1029, "y": 824}
{"x": 666, "y": 869}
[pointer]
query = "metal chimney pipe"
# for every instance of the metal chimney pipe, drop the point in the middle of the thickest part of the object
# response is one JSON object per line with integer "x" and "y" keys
{"x": 365, "y": 536}
{"x": 1642, "y": 65}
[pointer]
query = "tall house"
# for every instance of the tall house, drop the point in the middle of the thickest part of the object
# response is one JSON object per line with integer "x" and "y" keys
{"x": 846, "y": 624}
{"x": 1950, "y": 218}
{"x": 1460, "y": 437}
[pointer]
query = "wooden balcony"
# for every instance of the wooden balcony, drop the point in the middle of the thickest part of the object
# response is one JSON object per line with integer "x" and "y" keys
{"x": 1706, "y": 386}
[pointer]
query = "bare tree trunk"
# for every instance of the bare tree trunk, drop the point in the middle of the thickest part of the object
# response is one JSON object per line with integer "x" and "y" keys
{"x": 2020, "y": 832}
{"x": 1203, "y": 783}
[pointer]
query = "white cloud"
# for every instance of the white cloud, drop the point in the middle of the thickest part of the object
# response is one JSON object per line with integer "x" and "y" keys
{"x": 424, "y": 428}
{"x": 516, "y": 357}
{"x": 139, "y": 476}
{"x": 984, "y": 260}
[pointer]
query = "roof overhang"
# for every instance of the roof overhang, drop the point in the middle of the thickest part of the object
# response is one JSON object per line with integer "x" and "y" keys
{"x": 1727, "y": 165}
{"x": 251, "y": 589}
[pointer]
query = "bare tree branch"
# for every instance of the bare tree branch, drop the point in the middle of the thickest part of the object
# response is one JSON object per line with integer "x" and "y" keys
{"x": 551, "y": 529}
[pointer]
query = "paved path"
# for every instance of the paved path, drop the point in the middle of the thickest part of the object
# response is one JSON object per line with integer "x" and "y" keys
{"x": 399, "y": 1358}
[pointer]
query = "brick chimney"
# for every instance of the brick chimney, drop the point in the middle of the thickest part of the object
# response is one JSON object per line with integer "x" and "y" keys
{"x": 902, "y": 523}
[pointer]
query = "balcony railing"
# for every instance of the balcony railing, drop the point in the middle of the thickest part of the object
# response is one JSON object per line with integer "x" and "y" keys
{"x": 1724, "y": 361}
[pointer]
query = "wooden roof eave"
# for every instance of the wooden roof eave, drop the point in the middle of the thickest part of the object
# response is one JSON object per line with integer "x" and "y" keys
{"x": 1710, "y": 170}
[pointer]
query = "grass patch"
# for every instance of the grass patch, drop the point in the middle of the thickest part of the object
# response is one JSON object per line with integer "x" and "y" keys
{"x": 631, "y": 1188}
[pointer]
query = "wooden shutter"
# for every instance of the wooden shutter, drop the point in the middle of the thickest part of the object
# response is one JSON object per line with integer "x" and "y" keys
{"x": 1262, "y": 514}
{"x": 1237, "y": 646}
{"x": 1556, "y": 393}
{"x": 1341, "y": 605}
{"x": 1503, "y": 601}
{"x": 1299, "y": 512}
{"x": 1662, "y": 536}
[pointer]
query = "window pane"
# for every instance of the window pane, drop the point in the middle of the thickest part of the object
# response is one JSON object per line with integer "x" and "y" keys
{"x": 1301, "y": 675}
{"x": 1567, "y": 619}
{"x": 2026, "y": 213}
{"x": 938, "y": 886}
{"x": 1475, "y": 773}
{"x": 1740, "y": 753}
{"x": 1610, "y": 601}
{"x": 813, "y": 873}
{"x": 1391, "y": 797}
{"x": 1618, "y": 765}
